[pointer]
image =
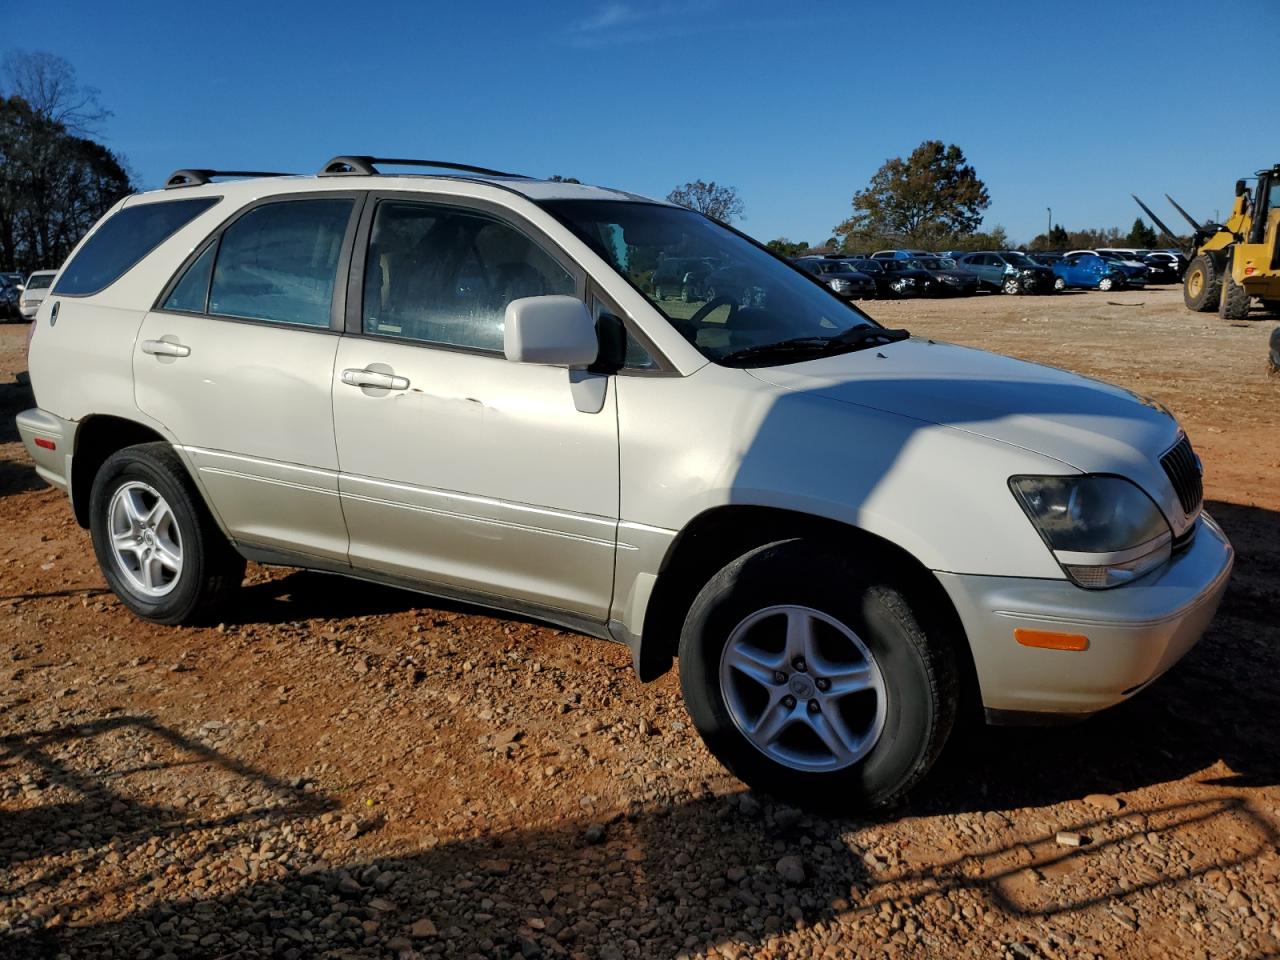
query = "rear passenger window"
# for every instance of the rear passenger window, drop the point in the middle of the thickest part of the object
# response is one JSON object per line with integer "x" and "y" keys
{"x": 191, "y": 295}
{"x": 123, "y": 239}
{"x": 279, "y": 261}
{"x": 442, "y": 275}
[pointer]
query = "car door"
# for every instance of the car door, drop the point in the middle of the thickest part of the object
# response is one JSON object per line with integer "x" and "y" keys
{"x": 459, "y": 469}
{"x": 236, "y": 360}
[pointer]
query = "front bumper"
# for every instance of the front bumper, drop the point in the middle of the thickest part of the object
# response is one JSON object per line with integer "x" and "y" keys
{"x": 29, "y": 310}
{"x": 1136, "y": 632}
{"x": 53, "y": 463}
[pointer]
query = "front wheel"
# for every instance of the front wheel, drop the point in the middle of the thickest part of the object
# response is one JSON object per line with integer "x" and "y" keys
{"x": 159, "y": 548}
{"x": 1202, "y": 285}
{"x": 1106, "y": 283}
{"x": 1011, "y": 285}
{"x": 812, "y": 678}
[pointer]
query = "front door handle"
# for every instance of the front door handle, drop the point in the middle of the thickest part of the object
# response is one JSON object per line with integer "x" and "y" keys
{"x": 372, "y": 378}
{"x": 165, "y": 348}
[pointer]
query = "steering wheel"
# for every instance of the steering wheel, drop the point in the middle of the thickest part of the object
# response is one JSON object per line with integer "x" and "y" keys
{"x": 705, "y": 310}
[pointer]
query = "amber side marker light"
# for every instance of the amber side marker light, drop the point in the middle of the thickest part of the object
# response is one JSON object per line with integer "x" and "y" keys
{"x": 1049, "y": 640}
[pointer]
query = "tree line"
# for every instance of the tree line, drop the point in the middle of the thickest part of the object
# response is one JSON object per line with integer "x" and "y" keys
{"x": 931, "y": 200}
{"x": 56, "y": 180}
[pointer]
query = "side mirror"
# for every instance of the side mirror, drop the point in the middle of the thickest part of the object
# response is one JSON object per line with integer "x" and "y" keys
{"x": 553, "y": 330}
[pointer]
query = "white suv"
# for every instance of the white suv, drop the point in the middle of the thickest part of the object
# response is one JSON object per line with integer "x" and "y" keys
{"x": 465, "y": 384}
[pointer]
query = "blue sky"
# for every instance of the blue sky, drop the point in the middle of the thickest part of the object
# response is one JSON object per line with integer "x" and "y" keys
{"x": 1070, "y": 105}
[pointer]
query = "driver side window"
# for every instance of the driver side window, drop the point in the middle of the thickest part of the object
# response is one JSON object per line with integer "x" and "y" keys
{"x": 445, "y": 276}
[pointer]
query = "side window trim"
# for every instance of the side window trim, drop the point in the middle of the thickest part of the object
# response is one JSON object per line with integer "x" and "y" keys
{"x": 354, "y": 321}
{"x": 337, "y": 309}
{"x": 602, "y": 303}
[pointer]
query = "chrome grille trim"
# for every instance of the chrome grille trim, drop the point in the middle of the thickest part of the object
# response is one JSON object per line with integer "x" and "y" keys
{"x": 1183, "y": 469}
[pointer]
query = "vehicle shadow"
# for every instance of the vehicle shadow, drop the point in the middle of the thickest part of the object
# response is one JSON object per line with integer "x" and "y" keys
{"x": 689, "y": 876}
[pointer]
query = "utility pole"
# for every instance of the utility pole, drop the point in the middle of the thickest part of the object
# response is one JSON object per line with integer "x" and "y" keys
{"x": 1050, "y": 230}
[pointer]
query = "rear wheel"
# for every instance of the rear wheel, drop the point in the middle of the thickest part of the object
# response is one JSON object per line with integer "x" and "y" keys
{"x": 158, "y": 546}
{"x": 811, "y": 678}
{"x": 1234, "y": 302}
{"x": 1202, "y": 285}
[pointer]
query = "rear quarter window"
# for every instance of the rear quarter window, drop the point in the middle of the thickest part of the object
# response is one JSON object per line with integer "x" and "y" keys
{"x": 122, "y": 240}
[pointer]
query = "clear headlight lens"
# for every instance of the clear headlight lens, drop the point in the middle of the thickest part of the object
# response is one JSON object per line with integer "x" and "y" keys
{"x": 1104, "y": 531}
{"x": 840, "y": 286}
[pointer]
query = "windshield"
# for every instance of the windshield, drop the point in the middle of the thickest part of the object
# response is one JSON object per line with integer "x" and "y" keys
{"x": 742, "y": 298}
{"x": 931, "y": 263}
{"x": 39, "y": 283}
{"x": 1019, "y": 260}
{"x": 867, "y": 266}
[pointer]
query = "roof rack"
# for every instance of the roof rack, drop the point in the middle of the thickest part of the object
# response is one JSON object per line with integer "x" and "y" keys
{"x": 194, "y": 178}
{"x": 346, "y": 166}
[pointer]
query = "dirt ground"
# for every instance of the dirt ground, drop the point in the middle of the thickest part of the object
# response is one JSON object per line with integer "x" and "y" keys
{"x": 344, "y": 770}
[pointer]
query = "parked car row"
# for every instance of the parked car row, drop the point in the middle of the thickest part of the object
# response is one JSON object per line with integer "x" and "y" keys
{"x": 19, "y": 298}
{"x": 919, "y": 273}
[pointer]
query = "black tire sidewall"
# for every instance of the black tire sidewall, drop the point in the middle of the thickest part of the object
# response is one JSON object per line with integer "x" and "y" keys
{"x": 152, "y": 467}
{"x": 795, "y": 572}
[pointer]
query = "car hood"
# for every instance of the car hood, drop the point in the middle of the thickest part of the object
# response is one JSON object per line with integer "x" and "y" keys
{"x": 1092, "y": 426}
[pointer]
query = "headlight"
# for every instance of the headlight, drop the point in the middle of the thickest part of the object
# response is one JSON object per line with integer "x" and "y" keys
{"x": 840, "y": 286}
{"x": 1104, "y": 531}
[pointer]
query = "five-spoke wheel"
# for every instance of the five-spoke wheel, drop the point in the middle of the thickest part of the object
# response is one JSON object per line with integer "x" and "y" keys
{"x": 803, "y": 688}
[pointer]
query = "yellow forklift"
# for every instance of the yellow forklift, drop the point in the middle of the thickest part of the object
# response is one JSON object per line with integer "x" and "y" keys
{"x": 1233, "y": 262}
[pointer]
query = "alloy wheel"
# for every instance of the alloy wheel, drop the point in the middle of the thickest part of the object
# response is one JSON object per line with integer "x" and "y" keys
{"x": 145, "y": 541}
{"x": 803, "y": 688}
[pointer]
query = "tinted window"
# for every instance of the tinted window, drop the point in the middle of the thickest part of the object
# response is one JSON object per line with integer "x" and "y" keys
{"x": 123, "y": 239}
{"x": 445, "y": 276}
{"x": 40, "y": 282}
{"x": 279, "y": 260}
{"x": 192, "y": 292}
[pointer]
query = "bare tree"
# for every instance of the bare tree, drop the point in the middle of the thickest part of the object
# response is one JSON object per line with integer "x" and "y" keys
{"x": 719, "y": 203}
{"x": 48, "y": 85}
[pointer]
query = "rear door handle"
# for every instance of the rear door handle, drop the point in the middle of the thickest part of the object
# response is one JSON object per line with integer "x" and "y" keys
{"x": 165, "y": 348}
{"x": 371, "y": 378}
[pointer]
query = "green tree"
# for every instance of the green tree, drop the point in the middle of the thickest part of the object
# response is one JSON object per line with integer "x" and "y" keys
{"x": 787, "y": 248}
{"x": 932, "y": 196}
{"x": 718, "y": 202}
{"x": 1141, "y": 235}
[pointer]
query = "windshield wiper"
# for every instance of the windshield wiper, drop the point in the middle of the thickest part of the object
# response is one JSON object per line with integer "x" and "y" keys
{"x": 855, "y": 338}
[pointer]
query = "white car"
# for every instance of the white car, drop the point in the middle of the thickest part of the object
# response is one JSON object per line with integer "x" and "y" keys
{"x": 465, "y": 384}
{"x": 34, "y": 291}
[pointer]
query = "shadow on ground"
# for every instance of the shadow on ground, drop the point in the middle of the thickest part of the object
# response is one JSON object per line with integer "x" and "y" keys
{"x": 687, "y": 875}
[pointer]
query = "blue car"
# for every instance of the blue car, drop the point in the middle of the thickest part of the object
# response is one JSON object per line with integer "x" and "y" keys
{"x": 1090, "y": 271}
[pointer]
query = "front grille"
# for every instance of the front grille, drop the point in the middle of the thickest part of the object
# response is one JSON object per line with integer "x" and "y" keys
{"x": 1183, "y": 468}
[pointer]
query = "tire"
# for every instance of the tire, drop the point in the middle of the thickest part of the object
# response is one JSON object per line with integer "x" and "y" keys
{"x": 684, "y": 294}
{"x": 1011, "y": 286}
{"x": 658, "y": 295}
{"x": 150, "y": 477}
{"x": 1202, "y": 285}
{"x": 905, "y": 717}
{"x": 1059, "y": 284}
{"x": 1233, "y": 304}
{"x": 1273, "y": 354}
{"x": 1106, "y": 283}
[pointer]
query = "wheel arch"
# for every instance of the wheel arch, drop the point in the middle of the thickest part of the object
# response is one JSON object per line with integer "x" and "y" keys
{"x": 98, "y": 437}
{"x": 721, "y": 534}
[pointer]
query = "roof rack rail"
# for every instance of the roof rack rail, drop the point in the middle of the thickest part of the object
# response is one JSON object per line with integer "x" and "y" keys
{"x": 346, "y": 166}
{"x": 194, "y": 178}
